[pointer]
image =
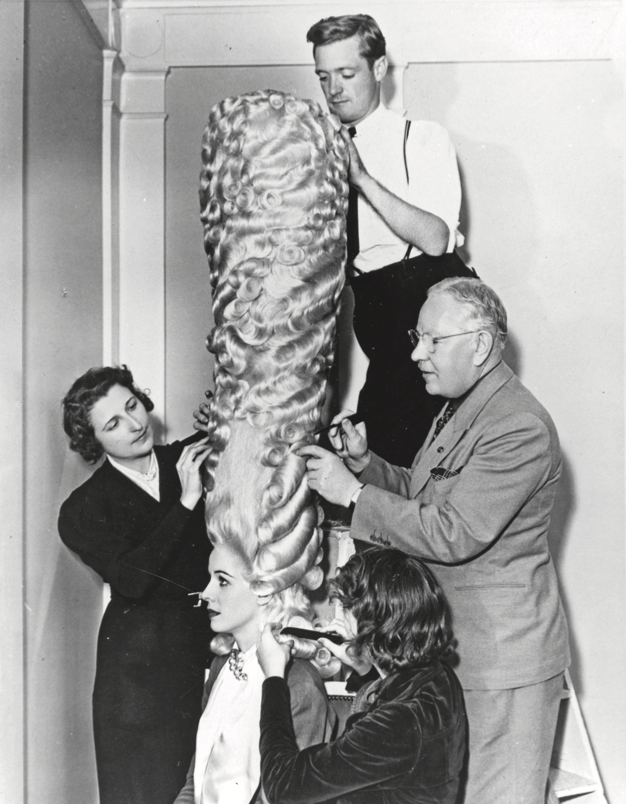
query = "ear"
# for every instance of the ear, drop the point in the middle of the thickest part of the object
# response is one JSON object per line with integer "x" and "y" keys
{"x": 380, "y": 68}
{"x": 484, "y": 347}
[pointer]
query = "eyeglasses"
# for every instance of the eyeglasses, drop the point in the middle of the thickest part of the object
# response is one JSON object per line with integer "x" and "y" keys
{"x": 430, "y": 342}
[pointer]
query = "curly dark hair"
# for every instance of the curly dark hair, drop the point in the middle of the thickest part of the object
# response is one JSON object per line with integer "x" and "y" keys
{"x": 82, "y": 396}
{"x": 402, "y": 615}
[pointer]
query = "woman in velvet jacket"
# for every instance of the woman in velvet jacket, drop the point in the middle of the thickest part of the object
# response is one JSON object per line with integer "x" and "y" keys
{"x": 138, "y": 521}
{"x": 406, "y": 742}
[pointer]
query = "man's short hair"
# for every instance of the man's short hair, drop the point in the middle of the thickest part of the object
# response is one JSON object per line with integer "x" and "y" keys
{"x": 484, "y": 303}
{"x": 336, "y": 29}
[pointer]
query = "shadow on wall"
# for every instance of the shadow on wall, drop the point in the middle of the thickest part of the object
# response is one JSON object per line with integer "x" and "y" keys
{"x": 62, "y": 668}
{"x": 562, "y": 513}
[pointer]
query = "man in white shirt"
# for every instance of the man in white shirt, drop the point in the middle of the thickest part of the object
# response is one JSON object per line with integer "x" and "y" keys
{"x": 406, "y": 191}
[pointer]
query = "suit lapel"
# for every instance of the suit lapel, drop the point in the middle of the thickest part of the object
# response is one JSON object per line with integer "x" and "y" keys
{"x": 433, "y": 454}
{"x": 426, "y": 459}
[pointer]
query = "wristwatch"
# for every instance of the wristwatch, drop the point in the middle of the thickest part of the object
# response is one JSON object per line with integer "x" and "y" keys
{"x": 355, "y": 496}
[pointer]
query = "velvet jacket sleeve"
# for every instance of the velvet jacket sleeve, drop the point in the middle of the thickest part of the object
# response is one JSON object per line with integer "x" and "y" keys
{"x": 376, "y": 749}
{"x": 309, "y": 709}
{"x": 124, "y": 535}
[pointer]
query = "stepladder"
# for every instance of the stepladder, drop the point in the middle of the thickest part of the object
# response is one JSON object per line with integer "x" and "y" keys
{"x": 573, "y": 771}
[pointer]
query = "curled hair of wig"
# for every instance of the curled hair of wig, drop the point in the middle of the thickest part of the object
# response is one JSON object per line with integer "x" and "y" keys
{"x": 403, "y": 618}
{"x": 273, "y": 197}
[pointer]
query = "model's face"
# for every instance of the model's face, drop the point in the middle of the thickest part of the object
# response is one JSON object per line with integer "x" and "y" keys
{"x": 451, "y": 369}
{"x": 352, "y": 90}
{"x": 122, "y": 425}
{"x": 233, "y": 607}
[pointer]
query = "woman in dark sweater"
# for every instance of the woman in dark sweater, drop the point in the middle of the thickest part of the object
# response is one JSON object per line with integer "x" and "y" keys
{"x": 407, "y": 738}
{"x": 138, "y": 522}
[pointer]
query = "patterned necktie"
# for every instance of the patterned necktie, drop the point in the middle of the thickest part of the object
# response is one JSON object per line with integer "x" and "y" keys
{"x": 445, "y": 418}
{"x": 352, "y": 219}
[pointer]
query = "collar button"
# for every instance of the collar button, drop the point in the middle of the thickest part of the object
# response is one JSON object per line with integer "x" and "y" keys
{"x": 439, "y": 449}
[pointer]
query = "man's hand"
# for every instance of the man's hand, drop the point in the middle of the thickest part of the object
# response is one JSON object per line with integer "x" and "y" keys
{"x": 328, "y": 475}
{"x": 357, "y": 170}
{"x": 349, "y": 441}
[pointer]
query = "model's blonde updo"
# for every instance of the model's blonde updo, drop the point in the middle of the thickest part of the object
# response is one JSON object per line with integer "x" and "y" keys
{"x": 273, "y": 195}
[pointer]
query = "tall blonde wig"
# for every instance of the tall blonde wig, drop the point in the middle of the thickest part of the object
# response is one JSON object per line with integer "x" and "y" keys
{"x": 273, "y": 195}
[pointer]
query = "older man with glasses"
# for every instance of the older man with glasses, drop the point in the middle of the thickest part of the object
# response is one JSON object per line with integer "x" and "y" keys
{"x": 477, "y": 503}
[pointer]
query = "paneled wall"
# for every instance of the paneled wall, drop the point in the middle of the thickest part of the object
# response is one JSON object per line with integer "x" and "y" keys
{"x": 52, "y": 266}
{"x": 62, "y": 337}
{"x": 540, "y": 146}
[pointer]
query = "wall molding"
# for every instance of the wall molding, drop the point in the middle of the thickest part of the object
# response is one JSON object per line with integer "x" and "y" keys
{"x": 159, "y": 34}
{"x": 142, "y": 230}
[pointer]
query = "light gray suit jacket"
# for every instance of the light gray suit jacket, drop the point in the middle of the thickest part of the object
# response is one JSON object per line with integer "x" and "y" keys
{"x": 484, "y": 528}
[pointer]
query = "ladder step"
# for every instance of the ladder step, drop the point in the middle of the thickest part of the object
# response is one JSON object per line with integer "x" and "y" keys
{"x": 565, "y": 783}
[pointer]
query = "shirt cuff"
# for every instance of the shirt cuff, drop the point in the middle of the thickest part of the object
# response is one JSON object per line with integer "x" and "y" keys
{"x": 355, "y": 497}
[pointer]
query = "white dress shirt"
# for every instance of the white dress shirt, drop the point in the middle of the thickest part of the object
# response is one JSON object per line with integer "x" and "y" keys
{"x": 434, "y": 183}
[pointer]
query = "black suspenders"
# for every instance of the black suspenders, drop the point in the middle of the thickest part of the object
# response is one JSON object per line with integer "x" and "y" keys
{"x": 407, "y": 128}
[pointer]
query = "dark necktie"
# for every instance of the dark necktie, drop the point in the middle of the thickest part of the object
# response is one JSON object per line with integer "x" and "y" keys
{"x": 352, "y": 220}
{"x": 445, "y": 418}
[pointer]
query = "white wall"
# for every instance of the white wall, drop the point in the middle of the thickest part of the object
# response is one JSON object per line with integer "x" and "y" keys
{"x": 62, "y": 326}
{"x": 11, "y": 337}
{"x": 540, "y": 149}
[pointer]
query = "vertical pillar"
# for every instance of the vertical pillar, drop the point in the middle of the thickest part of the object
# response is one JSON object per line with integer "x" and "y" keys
{"x": 110, "y": 210}
{"x": 142, "y": 231}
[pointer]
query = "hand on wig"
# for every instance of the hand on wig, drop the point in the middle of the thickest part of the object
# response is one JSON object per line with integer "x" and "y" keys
{"x": 349, "y": 441}
{"x": 189, "y": 471}
{"x": 357, "y": 171}
{"x": 328, "y": 475}
{"x": 273, "y": 656}
{"x": 343, "y": 652}
{"x": 202, "y": 416}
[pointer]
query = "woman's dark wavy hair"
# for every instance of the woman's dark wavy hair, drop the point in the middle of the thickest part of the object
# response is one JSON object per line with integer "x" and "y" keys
{"x": 83, "y": 395}
{"x": 402, "y": 615}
